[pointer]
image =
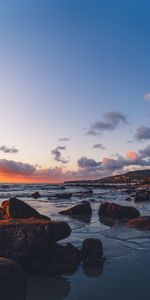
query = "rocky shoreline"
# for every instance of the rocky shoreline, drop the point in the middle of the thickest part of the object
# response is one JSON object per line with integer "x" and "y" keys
{"x": 29, "y": 241}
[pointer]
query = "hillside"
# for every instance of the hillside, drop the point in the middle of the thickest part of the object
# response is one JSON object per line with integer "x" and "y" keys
{"x": 142, "y": 176}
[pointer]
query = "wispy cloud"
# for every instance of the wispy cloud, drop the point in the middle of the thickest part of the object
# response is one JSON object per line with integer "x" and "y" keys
{"x": 64, "y": 139}
{"x": 99, "y": 146}
{"x": 111, "y": 121}
{"x": 6, "y": 149}
{"x": 58, "y": 155}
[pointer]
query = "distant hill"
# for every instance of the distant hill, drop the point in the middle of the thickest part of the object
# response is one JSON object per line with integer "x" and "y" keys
{"x": 142, "y": 176}
{"x": 133, "y": 176}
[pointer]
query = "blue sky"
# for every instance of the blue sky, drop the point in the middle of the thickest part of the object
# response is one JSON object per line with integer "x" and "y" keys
{"x": 64, "y": 64}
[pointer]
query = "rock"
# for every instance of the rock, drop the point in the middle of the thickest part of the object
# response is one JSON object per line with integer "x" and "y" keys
{"x": 62, "y": 260}
{"x": 63, "y": 195}
{"x": 142, "y": 196}
{"x": 86, "y": 193}
{"x": 36, "y": 195}
{"x": 17, "y": 209}
{"x": 12, "y": 280}
{"x": 83, "y": 208}
{"x": 1, "y": 213}
{"x": 92, "y": 252}
{"x": 113, "y": 210}
{"x": 26, "y": 240}
{"x": 140, "y": 223}
{"x": 128, "y": 199}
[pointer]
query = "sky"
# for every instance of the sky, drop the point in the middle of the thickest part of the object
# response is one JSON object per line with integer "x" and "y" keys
{"x": 74, "y": 89}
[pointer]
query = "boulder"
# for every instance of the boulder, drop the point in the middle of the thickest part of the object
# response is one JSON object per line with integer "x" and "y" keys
{"x": 92, "y": 252}
{"x": 83, "y": 208}
{"x": 113, "y": 210}
{"x": 17, "y": 209}
{"x": 140, "y": 223}
{"x": 12, "y": 280}
{"x": 26, "y": 240}
{"x": 36, "y": 195}
{"x": 62, "y": 260}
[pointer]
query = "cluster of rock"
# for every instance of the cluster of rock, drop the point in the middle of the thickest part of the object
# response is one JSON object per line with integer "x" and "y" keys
{"x": 110, "y": 212}
{"x": 30, "y": 240}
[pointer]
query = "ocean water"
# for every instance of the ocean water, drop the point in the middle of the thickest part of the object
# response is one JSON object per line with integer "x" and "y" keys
{"x": 126, "y": 270}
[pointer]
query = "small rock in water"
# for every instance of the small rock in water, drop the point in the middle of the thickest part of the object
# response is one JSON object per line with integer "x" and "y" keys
{"x": 36, "y": 195}
{"x": 83, "y": 208}
{"x": 63, "y": 195}
{"x": 128, "y": 199}
{"x": 12, "y": 280}
{"x": 92, "y": 252}
{"x": 142, "y": 196}
{"x": 113, "y": 210}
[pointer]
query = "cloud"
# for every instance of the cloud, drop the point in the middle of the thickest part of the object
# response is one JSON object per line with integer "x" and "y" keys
{"x": 17, "y": 168}
{"x": 147, "y": 96}
{"x": 88, "y": 168}
{"x": 85, "y": 162}
{"x": 57, "y": 154}
{"x": 111, "y": 121}
{"x": 145, "y": 153}
{"x": 64, "y": 139}
{"x": 99, "y": 146}
{"x": 132, "y": 159}
{"x": 142, "y": 133}
{"x": 5, "y": 149}
{"x": 133, "y": 156}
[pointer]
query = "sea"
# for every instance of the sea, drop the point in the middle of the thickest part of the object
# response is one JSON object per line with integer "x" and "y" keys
{"x": 125, "y": 274}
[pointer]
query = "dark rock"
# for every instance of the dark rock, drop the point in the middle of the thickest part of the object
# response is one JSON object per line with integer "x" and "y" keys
{"x": 12, "y": 280}
{"x": 63, "y": 195}
{"x": 86, "y": 193}
{"x": 92, "y": 252}
{"x": 140, "y": 223}
{"x": 83, "y": 208}
{"x": 62, "y": 260}
{"x": 142, "y": 196}
{"x": 36, "y": 195}
{"x": 26, "y": 240}
{"x": 113, "y": 210}
{"x": 17, "y": 209}
{"x": 128, "y": 199}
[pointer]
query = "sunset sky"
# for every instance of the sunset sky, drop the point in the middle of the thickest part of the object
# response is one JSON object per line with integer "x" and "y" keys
{"x": 74, "y": 89}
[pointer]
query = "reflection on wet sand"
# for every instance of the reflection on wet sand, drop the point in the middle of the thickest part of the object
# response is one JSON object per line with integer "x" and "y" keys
{"x": 93, "y": 271}
{"x": 46, "y": 288}
{"x": 108, "y": 221}
{"x": 82, "y": 218}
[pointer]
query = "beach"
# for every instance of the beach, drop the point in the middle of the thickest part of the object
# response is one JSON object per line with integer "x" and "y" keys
{"x": 126, "y": 250}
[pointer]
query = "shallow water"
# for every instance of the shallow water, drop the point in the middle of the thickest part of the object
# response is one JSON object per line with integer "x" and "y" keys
{"x": 126, "y": 270}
